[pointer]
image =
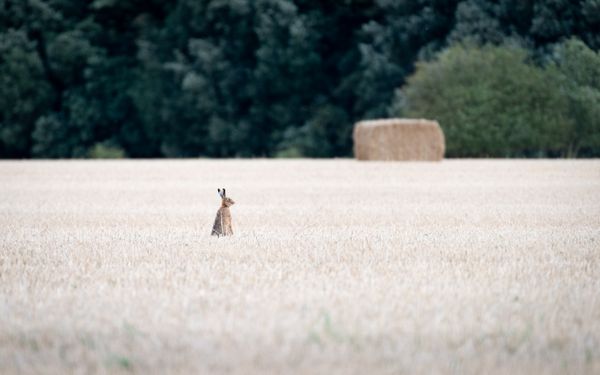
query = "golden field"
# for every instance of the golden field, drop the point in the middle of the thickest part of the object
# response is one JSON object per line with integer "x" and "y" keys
{"x": 336, "y": 266}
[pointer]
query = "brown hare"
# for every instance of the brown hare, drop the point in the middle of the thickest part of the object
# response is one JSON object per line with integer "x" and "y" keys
{"x": 222, "y": 225}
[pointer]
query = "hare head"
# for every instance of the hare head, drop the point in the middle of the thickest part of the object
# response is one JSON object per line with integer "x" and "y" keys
{"x": 225, "y": 201}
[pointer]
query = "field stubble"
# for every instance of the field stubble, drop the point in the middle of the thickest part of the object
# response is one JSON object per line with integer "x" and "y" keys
{"x": 335, "y": 267}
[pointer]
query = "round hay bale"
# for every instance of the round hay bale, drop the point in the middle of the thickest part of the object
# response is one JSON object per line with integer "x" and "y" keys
{"x": 399, "y": 139}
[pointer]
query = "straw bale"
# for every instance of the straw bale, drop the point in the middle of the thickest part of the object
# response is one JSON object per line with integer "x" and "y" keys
{"x": 399, "y": 139}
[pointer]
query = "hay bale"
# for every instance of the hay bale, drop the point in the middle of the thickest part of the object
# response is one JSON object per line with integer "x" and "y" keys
{"x": 399, "y": 139}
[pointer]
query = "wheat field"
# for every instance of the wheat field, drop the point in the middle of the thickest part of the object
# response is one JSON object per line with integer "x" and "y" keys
{"x": 335, "y": 267}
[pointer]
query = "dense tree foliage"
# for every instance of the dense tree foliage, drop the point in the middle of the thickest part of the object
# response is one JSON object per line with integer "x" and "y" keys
{"x": 230, "y": 78}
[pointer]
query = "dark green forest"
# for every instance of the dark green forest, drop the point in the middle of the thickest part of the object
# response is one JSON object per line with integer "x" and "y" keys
{"x": 284, "y": 78}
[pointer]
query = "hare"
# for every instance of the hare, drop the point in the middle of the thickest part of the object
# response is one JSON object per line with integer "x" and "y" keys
{"x": 222, "y": 225}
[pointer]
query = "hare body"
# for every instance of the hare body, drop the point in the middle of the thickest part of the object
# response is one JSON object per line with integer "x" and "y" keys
{"x": 222, "y": 225}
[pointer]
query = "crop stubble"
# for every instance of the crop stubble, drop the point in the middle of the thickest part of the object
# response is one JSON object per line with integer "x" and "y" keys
{"x": 336, "y": 266}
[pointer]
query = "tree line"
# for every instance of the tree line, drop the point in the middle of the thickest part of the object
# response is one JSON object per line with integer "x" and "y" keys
{"x": 287, "y": 78}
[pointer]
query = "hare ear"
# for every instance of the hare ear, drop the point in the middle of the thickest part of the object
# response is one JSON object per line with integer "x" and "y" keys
{"x": 224, "y": 195}
{"x": 221, "y": 193}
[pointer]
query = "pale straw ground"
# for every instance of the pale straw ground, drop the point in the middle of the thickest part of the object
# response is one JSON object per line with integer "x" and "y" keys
{"x": 467, "y": 267}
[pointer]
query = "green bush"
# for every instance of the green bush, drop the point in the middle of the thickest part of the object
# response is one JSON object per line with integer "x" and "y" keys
{"x": 494, "y": 101}
{"x": 490, "y": 101}
{"x": 579, "y": 68}
{"x": 105, "y": 150}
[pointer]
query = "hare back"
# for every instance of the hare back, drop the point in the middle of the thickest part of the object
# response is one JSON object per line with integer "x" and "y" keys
{"x": 222, "y": 225}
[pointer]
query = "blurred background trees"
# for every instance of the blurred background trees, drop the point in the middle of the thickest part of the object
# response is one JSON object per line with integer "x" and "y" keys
{"x": 285, "y": 78}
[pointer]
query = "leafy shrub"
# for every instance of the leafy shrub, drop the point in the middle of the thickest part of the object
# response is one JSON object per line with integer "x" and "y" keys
{"x": 106, "y": 150}
{"x": 579, "y": 68}
{"x": 490, "y": 101}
